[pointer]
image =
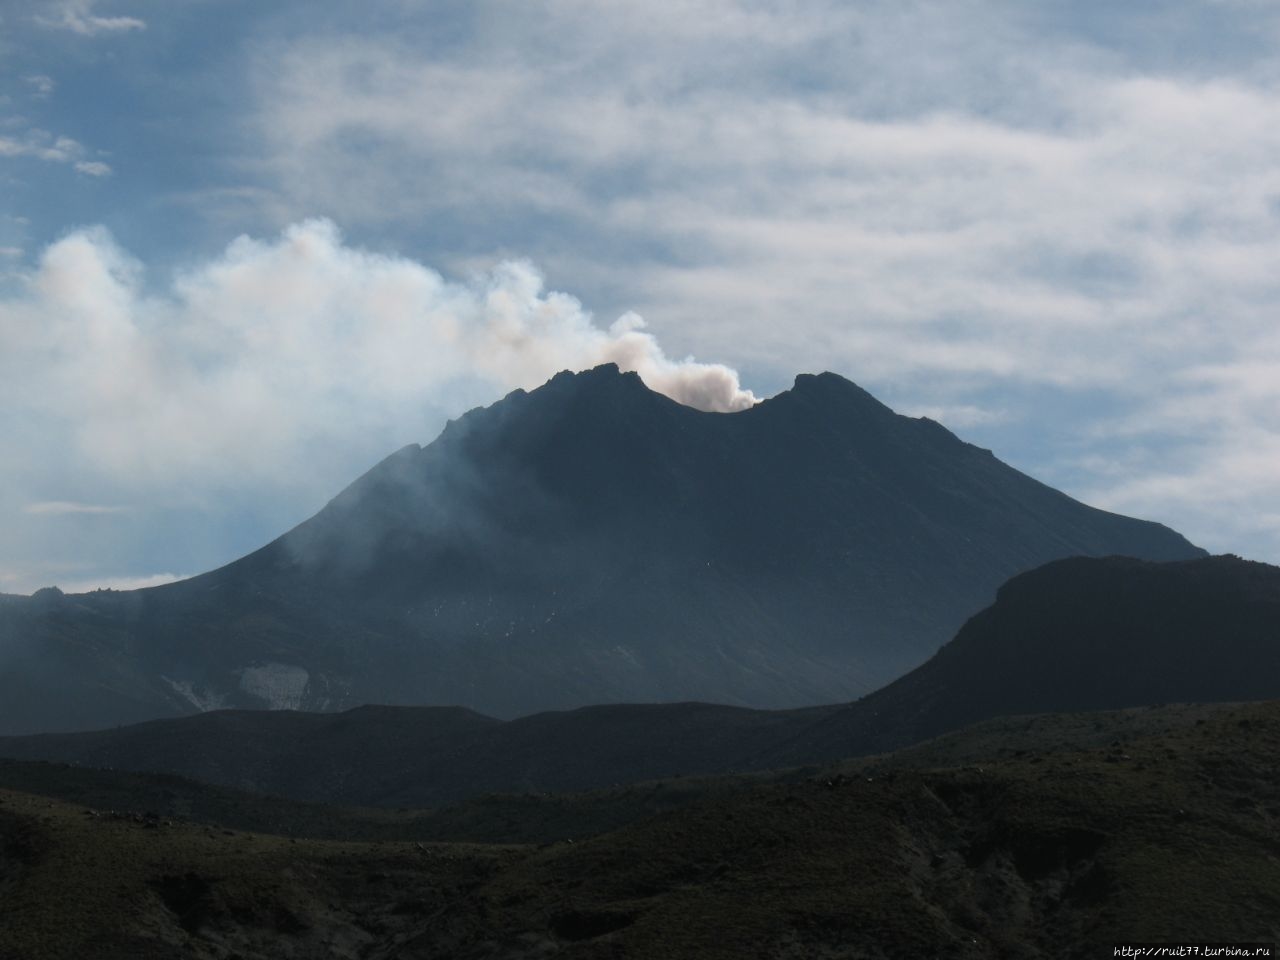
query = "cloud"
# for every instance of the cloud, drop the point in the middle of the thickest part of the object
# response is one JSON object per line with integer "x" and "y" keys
{"x": 1209, "y": 451}
{"x": 996, "y": 231}
{"x": 73, "y": 580}
{"x": 118, "y": 583}
{"x": 62, "y": 508}
{"x": 292, "y": 363}
{"x": 94, "y": 168}
{"x": 942, "y": 201}
{"x": 961, "y": 415}
{"x": 1052, "y": 226}
{"x": 78, "y": 17}
{"x": 42, "y": 86}
{"x": 42, "y": 145}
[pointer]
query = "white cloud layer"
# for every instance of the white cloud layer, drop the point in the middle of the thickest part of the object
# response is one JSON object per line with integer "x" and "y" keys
{"x": 270, "y": 364}
{"x": 1053, "y": 227}
{"x": 944, "y": 201}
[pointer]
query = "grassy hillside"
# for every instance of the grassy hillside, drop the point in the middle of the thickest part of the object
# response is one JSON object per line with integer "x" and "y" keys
{"x": 1167, "y": 830}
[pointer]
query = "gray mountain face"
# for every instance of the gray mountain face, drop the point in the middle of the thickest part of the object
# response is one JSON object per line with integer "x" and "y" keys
{"x": 587, "y": 542}
{"x": 1082, "y": 634}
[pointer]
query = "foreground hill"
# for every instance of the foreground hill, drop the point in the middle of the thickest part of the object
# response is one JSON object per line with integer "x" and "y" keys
{"x": 588, "y": 542}
{"x": 1076, "y": 635}
{"x": 1160, "y": 837}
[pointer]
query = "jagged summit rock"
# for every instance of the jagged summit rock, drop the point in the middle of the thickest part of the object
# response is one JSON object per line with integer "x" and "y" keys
{"x": 591, "y": 541}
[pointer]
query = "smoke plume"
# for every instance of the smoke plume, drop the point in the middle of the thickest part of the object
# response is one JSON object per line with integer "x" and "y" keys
{"x": 282, "y": 354}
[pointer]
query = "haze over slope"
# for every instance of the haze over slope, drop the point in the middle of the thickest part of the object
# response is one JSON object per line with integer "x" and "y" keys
{"x": 590, "y": 541}
{"x": 1080, "y": 634}
{"x": 1083, "y": 634}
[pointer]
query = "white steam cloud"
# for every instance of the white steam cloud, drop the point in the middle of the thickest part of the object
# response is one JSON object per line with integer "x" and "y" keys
{"x": 283, "y": 358}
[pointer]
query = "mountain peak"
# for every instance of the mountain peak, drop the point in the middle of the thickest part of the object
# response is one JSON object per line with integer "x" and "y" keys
{"x": 834, "y": 388}
{"x": 601, "y": 373}
{"x": 601, "y": 386}
{"x": 593, "y": 540}
{"x": 607, "y": 377}
{"x": 828, "y": 396}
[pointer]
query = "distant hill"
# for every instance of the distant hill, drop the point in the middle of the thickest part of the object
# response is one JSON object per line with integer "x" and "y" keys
{"x": 1076, "y": 635}
{"x": 590, "y": 541}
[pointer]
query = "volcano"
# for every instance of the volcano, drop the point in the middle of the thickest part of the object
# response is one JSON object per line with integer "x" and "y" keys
{"x": 590, "y": 541}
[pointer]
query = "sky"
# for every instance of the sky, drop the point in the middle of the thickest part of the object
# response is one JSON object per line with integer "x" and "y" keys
{"x": 247, "y": 250}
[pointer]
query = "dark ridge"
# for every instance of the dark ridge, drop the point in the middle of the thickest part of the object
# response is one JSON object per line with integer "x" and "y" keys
{"x": 427, "y": 757}
{"x": 1080, "y": 634}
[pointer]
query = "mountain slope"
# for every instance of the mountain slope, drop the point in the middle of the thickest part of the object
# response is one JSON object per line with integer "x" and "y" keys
{"x": 1079, "y": 634}
{"x": 589, "y": 541}
{"x": 1075, "y": 635}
